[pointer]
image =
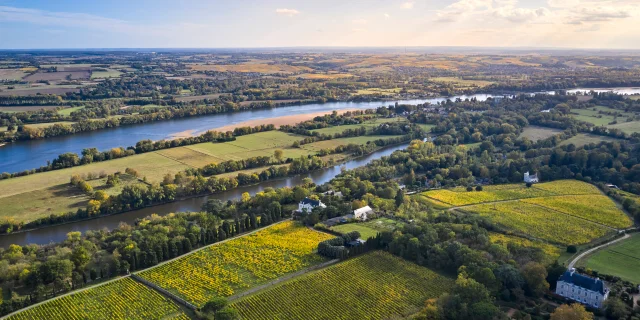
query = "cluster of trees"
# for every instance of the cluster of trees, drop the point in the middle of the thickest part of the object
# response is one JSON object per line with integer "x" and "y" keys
{"x": 341, "y": 248}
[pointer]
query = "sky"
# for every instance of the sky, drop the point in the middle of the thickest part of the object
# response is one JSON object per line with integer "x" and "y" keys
{"x": 32, "y": 24}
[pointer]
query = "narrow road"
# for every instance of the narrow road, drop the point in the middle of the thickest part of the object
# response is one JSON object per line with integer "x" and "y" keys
{"x": 580, "y": 256}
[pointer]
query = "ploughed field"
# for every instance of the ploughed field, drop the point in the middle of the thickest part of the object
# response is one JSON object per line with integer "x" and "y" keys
{"x": 229, "y": 268}
{"x": 563, "y": 212}
{"x": 376, "y": 285}
{"x": 119, "y": 299}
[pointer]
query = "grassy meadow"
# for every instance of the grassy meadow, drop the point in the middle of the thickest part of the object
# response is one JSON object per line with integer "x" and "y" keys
{"x": 368, "y": 229}
{"x": 582, "y": 139}
{"x": 594, "y": 116}
{"x": 535, "y": 133}
{"x": 621, "y": 259}
{"x": 367, "y": 124}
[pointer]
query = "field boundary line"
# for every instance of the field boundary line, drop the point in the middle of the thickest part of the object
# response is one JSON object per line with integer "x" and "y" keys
{"x": 163, "y": 291}
{"x": 624, "y": 254}
{"x": 176, "y": 160}
{"x": 564, "y": 213}
{"x": 282, "y": 279}
{"x": 582, "y": 255}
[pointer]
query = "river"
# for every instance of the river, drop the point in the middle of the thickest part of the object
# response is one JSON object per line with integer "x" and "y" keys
{"x": 31, "y": 154}
{"x": 58, "y": 233}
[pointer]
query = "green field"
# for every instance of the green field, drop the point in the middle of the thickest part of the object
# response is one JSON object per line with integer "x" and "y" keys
{"x": 370, "y": 228}
{"x": 367, "y": 124}
{"x": 47, "y": 124}
{"x": 110, "y": 73}
{"x": 151, "y": 165}
{"x": 62, "y": 198}
{"x": 582, "y": 139}
{"x": 28, "y": 206}
{"x": 426, "y": 127}
{"x": 535, "y": 133}
{"x": 330, "y": 144}
{"x": 365, "y": 232}
{"x": 621, "y": 259}
{"x": 120, "y": 299}
{"x": 377, "y": 285}
{"x": 67, "y": 111}
{"x": 228, "y": 268}
{"x": 594, "y": 117}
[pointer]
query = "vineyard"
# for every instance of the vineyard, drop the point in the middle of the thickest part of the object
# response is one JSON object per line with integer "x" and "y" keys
{"x": 597, "y": 208}
{"x": 462, "y": 197}
{"x": 377, "y": 285}
{"x": 121, "y": 299}
{"x": 238, "y": 264}
{"x": 551, "y": 252}
{"x": 540, "y": 222}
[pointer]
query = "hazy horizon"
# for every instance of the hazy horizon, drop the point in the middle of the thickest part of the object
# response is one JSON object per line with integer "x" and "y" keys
{"x": 504, "y": 24}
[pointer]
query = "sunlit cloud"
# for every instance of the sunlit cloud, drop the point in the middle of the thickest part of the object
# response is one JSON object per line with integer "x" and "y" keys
{"x": 287, "y": 12}
{"x": 407, "y": 5}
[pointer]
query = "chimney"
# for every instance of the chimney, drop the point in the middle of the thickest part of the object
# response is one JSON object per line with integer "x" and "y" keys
{"x": 573, "y": 270}
{"x": 597, "y": 279}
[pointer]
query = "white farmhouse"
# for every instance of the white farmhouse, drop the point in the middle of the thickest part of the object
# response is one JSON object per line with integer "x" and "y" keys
{"x": 589, "y": 291}
{"x": 530, "y": 178}
{"x": 307, "y": 205}
{"x": 362, "y": 213}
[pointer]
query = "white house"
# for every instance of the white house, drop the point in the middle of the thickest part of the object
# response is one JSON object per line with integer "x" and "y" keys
{"x": 533, "y": 178}
{"x": 307, "y": 205}
{"x": 586, "y": 290}
{"x": 362, "y": 213}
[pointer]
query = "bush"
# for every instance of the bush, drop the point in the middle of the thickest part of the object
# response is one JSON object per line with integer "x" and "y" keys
{"x": 572, "y": 249}
{"x": 469, "y": 188}
{"x": 214, "y": 305}
{"x": 479, "y": 188}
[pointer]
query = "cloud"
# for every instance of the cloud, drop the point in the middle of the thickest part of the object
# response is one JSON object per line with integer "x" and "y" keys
{"x": 503, "y": 9}
{"x": 520, "y": 15}
{"x": 407, "y": 5}
{"x": 287, "y": 12}
{"x": 461, "y": 8}
{"x": 358, "y": 30}
{"x": 386, "y": 16}
{"x": 563, "y": 3}
{"x": 599, "y": 14}
{"x": 359, "y": 21}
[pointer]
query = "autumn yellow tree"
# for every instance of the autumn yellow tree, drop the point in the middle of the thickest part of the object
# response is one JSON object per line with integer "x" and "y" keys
{"x": 575, "y": 311}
